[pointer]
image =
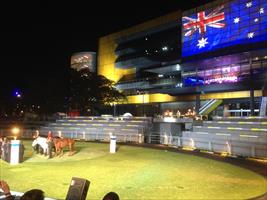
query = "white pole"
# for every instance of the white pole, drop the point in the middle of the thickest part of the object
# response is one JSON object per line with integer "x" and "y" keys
{"x": 14, "y": 157}
{"x": 112, "y": 148}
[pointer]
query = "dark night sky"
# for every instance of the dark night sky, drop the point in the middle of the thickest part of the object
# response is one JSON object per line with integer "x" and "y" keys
{"x": 37, "y": 39}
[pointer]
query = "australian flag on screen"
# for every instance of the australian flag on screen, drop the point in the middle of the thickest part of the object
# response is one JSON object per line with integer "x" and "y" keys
{"x": 225, "y": 25}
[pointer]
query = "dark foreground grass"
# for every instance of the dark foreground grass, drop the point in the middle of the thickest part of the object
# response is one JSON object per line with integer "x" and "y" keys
{"x": 134, "y": 173}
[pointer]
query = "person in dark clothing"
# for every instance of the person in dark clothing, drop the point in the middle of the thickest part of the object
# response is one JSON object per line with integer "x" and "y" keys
{"x": 5, "y": 150}
{"x": 21, "y": 152}
{"x": 111, "y": 196}
{"x": 34, "y": 194}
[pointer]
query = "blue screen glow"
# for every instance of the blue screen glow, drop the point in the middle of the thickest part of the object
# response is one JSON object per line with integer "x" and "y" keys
{"x": 216, "y": 27}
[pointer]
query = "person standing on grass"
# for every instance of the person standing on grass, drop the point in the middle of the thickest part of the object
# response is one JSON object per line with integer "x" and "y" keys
{"x": 49, "y": 141}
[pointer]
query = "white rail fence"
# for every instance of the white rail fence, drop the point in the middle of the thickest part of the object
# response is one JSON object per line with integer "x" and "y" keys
{"x": 230, "y": 146}
{"x": 248, "y": 148}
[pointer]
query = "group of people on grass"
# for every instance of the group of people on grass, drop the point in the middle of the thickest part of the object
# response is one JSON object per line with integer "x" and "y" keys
{"x": 49, "y": 141}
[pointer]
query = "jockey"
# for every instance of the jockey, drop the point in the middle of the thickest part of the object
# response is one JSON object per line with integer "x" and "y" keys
{"x": 49, "y": 141}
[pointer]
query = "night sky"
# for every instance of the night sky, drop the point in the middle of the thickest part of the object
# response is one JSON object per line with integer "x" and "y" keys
{"x": 37, "y": 39}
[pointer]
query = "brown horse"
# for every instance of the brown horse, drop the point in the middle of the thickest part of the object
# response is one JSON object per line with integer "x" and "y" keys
{"x": 60, "y": 143}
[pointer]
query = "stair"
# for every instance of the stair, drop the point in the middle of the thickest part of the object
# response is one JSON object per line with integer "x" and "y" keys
{"x": 241, "y": 136}
{"x": 210, "y": 106}
{"x": 99, "y": 128}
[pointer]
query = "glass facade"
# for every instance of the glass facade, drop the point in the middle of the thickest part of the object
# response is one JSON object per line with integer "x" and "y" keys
{"x": 230, "y": 73}
{"x": 153, "y": 49}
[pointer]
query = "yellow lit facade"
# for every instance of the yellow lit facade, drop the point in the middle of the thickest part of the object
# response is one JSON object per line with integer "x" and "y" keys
{"x": 107, "y": 46}
{"x": 107, "y": 59}
{"x": 158, "y": 98}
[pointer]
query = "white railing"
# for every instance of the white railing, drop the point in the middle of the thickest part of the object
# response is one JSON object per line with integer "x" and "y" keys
{"x": 231, "y": 146}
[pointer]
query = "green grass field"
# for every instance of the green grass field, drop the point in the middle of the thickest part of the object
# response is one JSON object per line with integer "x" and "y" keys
{"x": 134, "y": 173}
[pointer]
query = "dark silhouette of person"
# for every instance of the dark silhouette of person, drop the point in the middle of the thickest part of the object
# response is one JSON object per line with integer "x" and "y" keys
{"x": 111, "y": 196}
{"x": 21, "y": 152}
{"x": 6, "y": 146}
{"x": 34, "y": 194}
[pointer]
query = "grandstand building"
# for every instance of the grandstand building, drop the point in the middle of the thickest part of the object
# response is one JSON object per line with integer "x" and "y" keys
{"x": 84, "y": 61}
{"x": 208, "y": 59}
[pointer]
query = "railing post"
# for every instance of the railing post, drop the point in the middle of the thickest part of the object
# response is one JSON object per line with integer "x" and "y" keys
{"x": 140, "y": 138}
{"x": 229, "y": 149}
{"x": 192, "y": 143}
{"x": 253, "y": 152}
{"x": 210, "y": 146}
{"x": 179, "y": 142}
{"x": 165, "y": 140}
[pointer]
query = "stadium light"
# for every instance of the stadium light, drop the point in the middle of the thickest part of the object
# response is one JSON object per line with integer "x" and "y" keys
{"x": 15, "y": 131}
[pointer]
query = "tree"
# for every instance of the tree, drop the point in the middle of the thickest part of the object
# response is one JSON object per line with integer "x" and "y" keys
{"x": 90, "y": 92}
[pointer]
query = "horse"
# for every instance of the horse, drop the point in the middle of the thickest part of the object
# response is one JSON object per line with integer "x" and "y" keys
{"x": 60, "y": 143}
{"x": 42, "y": 142}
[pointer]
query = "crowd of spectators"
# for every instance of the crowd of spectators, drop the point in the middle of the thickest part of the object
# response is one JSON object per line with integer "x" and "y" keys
{"x": 37, "y": 194}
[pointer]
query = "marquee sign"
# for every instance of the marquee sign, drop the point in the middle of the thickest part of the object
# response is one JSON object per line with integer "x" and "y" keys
{"x": 231, "y": 23}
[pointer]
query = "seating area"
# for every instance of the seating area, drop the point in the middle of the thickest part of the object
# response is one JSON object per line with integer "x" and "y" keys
{"x": 239, "y": 136}
{"x": 127, "y": 129}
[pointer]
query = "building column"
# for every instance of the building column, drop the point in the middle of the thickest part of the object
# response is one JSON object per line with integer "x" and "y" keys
{"x": 252, "y": 102}
{"x": 264, "y": 91}
{"x": 114, "y": 109}
{"x": 197, "y": 103}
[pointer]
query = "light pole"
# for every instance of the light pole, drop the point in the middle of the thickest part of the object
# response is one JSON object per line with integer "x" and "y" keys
{"x": 114, "y": 109}
{"x": 143, "y": 101}
{"x": 143, "y": 97}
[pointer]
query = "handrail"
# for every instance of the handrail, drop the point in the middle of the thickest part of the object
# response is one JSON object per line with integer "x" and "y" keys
{"x": 206, "y": 104}
{"x": 211, "y": 106}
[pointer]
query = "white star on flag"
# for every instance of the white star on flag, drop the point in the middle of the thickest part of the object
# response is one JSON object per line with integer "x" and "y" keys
{"x": 250, "y": 35}
{"x": 261, "y": 10}
{"x": 249, "y": 4}
{"x": 256, "y": 19}
{"x": 202, "y": 42}
{"x": 236, "y": 20}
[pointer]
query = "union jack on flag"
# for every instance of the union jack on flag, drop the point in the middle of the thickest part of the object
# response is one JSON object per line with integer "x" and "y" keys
{"x": 212, "y": 20}
{"x": 232, "y": 23}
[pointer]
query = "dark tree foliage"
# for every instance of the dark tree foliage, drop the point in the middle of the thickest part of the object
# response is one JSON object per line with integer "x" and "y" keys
{"x": 90, "y": 92}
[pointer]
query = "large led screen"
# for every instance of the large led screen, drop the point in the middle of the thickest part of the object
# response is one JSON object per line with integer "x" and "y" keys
{"x": 216, "y": 26}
